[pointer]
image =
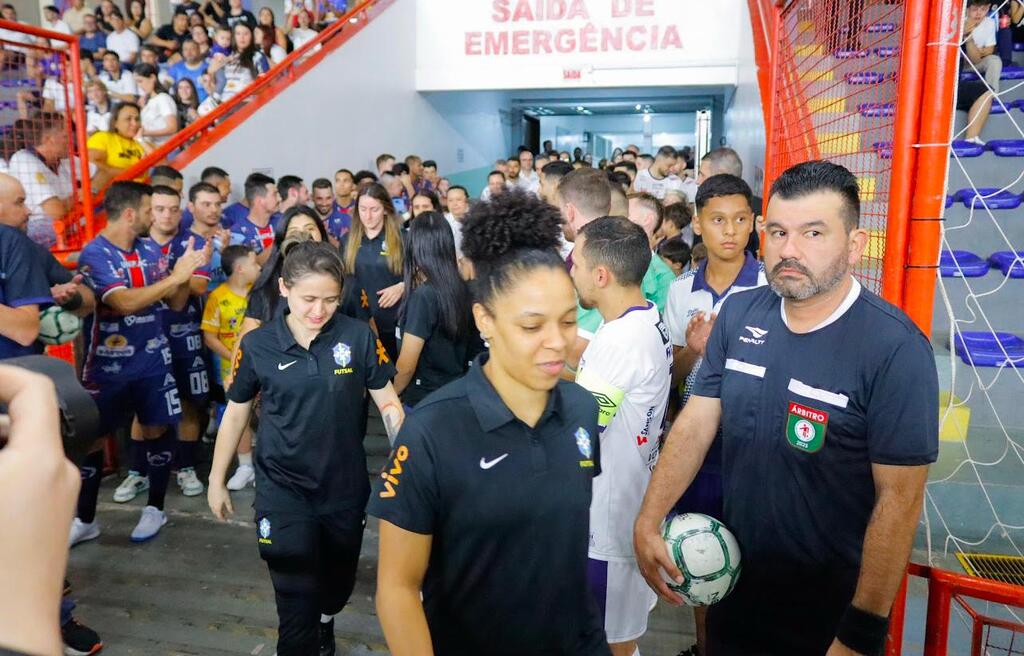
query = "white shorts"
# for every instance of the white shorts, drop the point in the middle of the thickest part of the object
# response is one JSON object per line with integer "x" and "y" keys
{"x": 624, "y": 597}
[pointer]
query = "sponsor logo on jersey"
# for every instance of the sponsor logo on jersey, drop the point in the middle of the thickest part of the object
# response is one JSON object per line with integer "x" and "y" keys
{"x": 757, "y": 335}
{"x": 392, "y": 475}
{"x": 133, "y": 319}
{"x": 115, "y": 346}
{"x": 113, "y": 369}
{"x": 805, "y": 428}
{"x": 264, "y": 528}
{"x": 179, "y": 330}
{"x": 156, "y": 344}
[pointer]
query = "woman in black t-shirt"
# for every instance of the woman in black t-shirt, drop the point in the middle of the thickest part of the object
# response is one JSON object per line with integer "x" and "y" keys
{"x": 313, "y": 366}
{"x": 434, "y": 320}
{"x": 373, "y": 252}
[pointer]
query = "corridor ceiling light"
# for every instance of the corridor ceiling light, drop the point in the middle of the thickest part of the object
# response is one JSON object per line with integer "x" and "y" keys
{"x": 647, "y": 118}
{"x": 579, "y": 108}
{"x": 638, "y": 108}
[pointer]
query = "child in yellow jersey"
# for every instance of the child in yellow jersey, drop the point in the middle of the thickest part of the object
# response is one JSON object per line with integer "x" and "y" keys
{"x": 225, "y": 307}
{"x": 222, "y": 321}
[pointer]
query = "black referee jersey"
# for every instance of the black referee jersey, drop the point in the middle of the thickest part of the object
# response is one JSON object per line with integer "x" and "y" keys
{"x": 508, "y": 507}
{"x": 310, "y": 456}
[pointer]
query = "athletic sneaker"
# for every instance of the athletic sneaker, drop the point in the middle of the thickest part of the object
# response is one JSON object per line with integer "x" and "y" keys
{"x": 82, "y": 532}
{"x": 244, "y": 475}
{"x": 150, "y": 523}
{"x": 79, "y": 640}
{"x": 131, "y": 487}
{"x": 189, "y": 482}
{"x": 327, "y": 638}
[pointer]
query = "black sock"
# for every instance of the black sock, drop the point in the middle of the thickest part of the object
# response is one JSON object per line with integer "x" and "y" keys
{"x": 186, "y": 454}
{"x": 137, "y": 457}
{"x": 159, "y": 453}
{"x": 92, "y": 473}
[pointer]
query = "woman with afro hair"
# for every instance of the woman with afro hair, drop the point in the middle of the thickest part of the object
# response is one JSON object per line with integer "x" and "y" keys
{"x": 484, "y": 502}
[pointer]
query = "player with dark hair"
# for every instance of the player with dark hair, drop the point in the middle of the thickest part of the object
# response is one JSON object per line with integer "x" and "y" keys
{"x": 492, "y": 461}
{"x": 312, "y": 367}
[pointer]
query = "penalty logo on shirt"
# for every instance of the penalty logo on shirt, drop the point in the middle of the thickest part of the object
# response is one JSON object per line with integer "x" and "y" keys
{"x": 805, "y": 428}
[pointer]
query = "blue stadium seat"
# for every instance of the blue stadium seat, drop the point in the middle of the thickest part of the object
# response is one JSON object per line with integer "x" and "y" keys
{"x": 1007, "y": 147}
{"x": 1012, "y": 73}
{"x": 1009, "y": 263}
{"x": 881, "y": 28}
{"x": 884, "y": 150}
{"x": 949, "y": 201}
{"x": 989, "y": 197}
{"x": 966, "y": 149}
{"x": 875, "y": 110}
{"x": 1005, "y": 106}
{"x": 865, "y": 77}
{"x": 985, "y": 349}
{"x": 962, "y": 264}
{"x": 887, "y": 51}
{"x": 1018, "y": 47}
{"x": 852, "y": 54}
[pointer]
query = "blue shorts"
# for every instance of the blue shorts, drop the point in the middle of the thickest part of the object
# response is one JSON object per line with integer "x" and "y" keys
{"x": 703, "y": 496}
{"x": 154, "y": 400}
{"x": 191, "y": 376}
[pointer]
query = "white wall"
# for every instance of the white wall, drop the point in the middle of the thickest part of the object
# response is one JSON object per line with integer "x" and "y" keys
{"x": 744, "y": 118}
{"x": 357, "y": 103}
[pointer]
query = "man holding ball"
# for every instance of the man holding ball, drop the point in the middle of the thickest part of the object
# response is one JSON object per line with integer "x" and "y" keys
{"x": 828, "y": 402}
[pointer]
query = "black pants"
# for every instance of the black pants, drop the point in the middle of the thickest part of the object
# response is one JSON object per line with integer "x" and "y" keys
{"x": 312, "y": 561}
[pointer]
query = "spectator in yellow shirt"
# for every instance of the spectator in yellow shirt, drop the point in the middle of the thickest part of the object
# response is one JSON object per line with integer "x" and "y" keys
{"x": 116, "y": 149}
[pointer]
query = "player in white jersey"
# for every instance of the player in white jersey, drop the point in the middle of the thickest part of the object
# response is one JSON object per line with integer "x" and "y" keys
{"x": 658, "y": 178}
{"x": 627, "y": 367}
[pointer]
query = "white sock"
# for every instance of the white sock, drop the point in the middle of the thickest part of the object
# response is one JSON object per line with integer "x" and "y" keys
{"x": 245, "y": 459}
{"x": 324, "y": 619}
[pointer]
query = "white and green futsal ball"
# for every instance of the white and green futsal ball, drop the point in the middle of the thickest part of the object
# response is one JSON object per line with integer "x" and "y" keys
{"x": 58, "y": 326}
{"x": 706, "y": 553}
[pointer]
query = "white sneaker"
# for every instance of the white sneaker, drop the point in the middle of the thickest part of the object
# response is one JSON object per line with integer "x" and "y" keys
{"x": 130, "y": 487}
{"x": 976, "y": 141}
{"x": 189, "y": 482}
{"x": 82, "y": 532}
{"x": 244, "y": 475}
{"x": 150, "y": 523}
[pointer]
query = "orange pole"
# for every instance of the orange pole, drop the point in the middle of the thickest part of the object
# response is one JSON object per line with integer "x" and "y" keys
{"x": 930, "y": 172}
{"x": 904, "y": 159}
{"x": 81, "y": 140}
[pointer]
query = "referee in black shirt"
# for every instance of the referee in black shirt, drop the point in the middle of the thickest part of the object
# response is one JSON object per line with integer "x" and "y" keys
{"x": 828, "y": 402}
{"x": 313, "y": 367}
{"x": 484, "y": 503}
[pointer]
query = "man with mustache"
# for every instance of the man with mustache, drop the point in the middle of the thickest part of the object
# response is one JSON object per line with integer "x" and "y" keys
{"x": 828, "y": 402}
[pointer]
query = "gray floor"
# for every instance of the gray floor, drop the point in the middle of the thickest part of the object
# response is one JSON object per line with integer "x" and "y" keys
{"x": 200, "y": 587}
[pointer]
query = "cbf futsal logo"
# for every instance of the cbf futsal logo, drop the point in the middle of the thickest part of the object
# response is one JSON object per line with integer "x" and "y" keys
{"x": 342, "y": 354}
{"x": 583, "y": 441}
{"x": 264, "y": 529}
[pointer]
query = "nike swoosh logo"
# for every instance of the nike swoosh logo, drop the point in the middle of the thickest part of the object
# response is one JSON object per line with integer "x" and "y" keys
{"x": 282, "y": 367}
{"x": 485, "y": 464}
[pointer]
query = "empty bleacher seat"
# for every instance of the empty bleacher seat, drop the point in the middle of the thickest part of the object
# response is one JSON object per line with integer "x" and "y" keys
{"x": 884, "y": 150}
{"x": 852, "y": 54}
{"x": 1007, "y": 147}
{"x": 990, "y": 197}
{"x": 1010, "y": 263}
{"x": 962, "y": 264}
{"x": 881, "y": 28}
{"x": 874, "y": 110}
{"x": 966, "y": 149}
{"x": 1012, "y": 73}
{"x": 985, "y": 349}
{"x": 887, "y": 51}
{"x": 865, "y": 77}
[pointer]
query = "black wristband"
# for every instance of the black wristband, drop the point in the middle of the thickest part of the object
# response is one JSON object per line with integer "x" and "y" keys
{"x": 74, "y": 303}
{"x": 863, "y": 632}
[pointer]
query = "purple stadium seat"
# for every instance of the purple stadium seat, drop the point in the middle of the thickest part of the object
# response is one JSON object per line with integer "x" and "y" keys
{"x": 852, "y": 54}
{"x": 966, "y": 149}
{"x": 884, "y": 150}
{"x": 985, "y": 349}
{"x": 876, "y": 110}
{"x": 949, "y": 201}
{"x": 1018, "y": 47}
{"x": 887, "y": 51}
{"x": 881, "y": 28}
{"x": 1012, "y": 73}
{"x": 1010, "y": 263}
{"x": 990, "y": 197}
{"x": 1007, "y": 147}
{"x": 962, "y": 264}
{"x": 865, "y": 77}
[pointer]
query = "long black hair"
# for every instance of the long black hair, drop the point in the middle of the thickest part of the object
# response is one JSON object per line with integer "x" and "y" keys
{"x": 509, "y": 235}
{"x": 247, "y": 57}
{"x": 430, "y": 260}
{"x": 265, "y": 288}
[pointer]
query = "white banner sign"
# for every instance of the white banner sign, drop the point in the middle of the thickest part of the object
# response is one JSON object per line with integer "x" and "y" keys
{"x": 520, "y": 44}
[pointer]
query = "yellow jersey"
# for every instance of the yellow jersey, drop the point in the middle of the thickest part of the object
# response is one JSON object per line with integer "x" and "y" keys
{"x": 223, "y": 316}
{"x": 121, "y": 151}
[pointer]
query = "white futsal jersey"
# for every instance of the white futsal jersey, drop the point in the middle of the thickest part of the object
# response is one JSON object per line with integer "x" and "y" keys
{"x": 627, "y": 367}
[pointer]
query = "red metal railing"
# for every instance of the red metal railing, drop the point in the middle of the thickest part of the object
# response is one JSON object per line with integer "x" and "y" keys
{"x": 78, "y": 226}
{"x": 207, "y": 130}
{"x": 943, "y": 588}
